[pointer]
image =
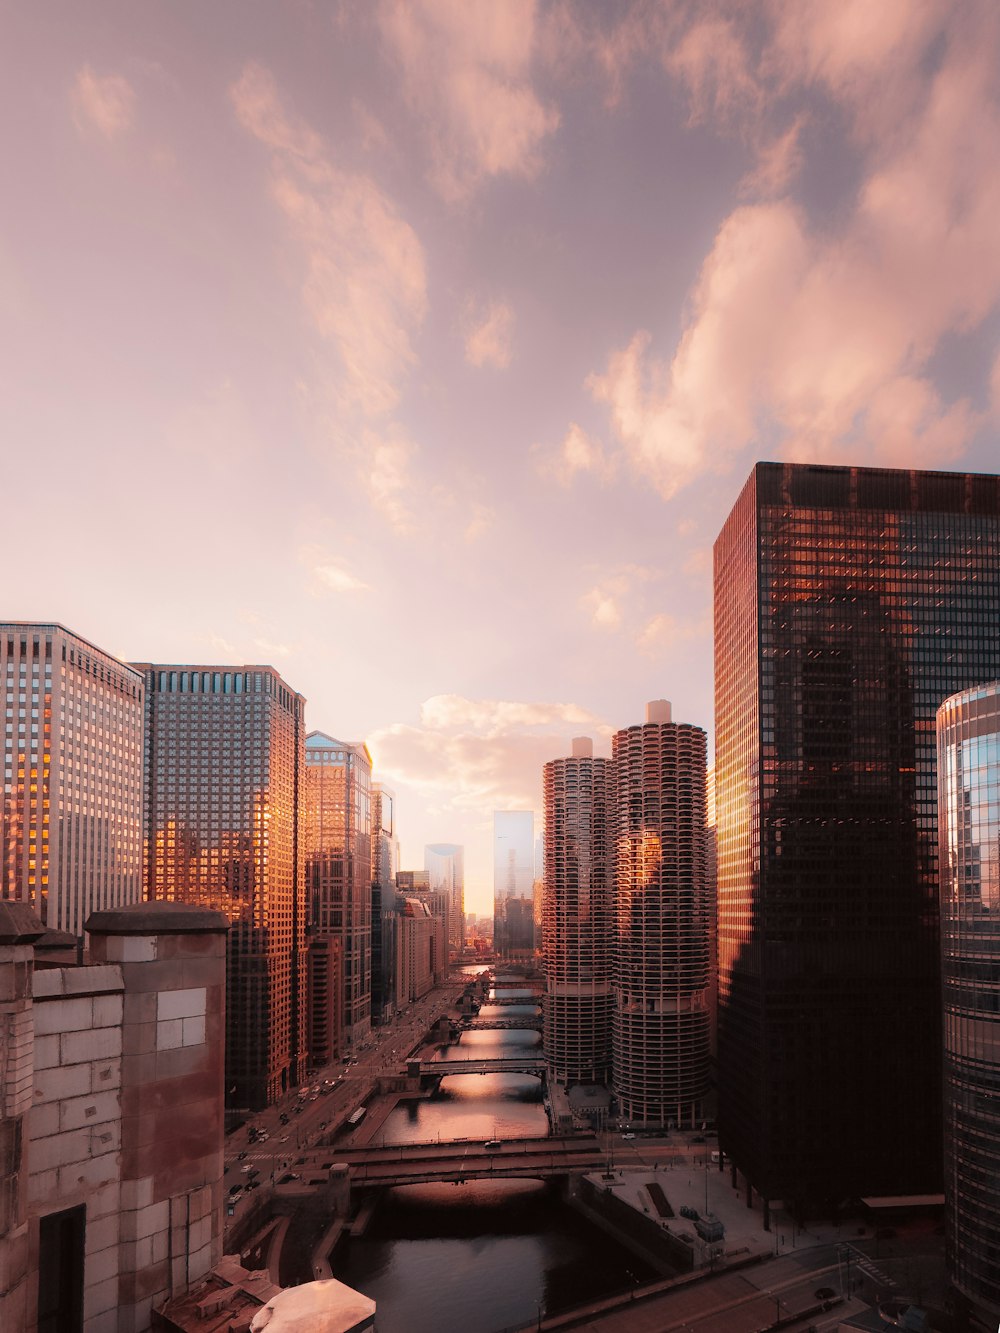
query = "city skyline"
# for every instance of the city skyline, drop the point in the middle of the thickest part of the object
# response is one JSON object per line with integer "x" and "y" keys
{"x": 560, "y": 229}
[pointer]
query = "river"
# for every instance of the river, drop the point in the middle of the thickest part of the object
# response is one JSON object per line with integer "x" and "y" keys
{"x": 485, "y": 1255}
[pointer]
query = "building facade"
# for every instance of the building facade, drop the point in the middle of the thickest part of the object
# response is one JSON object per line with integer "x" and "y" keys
{"x": 968, "y": 731}
{"x": 385, "y": 857}
{"x": 513, "y": 883}
{"x": 71, "y": 801}
{"x": 661, "y": 973}
{"x": 578, "y": 916}
{"x": 849, "y": 603}
{"x": 223, "y": 774}
{"x": 444, "y": 864}
{"x": 111, "y": 1117}
{"x": 338, "y": 833}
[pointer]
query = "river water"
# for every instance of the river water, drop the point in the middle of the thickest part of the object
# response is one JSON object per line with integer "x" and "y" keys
{"x": 485, "y": 1255}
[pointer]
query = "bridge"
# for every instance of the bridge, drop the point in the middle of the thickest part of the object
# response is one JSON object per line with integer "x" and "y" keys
{"x": 524, "y": 1064}
{"x": 414, "y": 1164}
{"x": 532, "y": 1000}
{"x": 507, "y": 1024}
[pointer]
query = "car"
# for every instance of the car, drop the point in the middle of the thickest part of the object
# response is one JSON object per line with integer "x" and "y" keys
{"x": 246, "y": 1167}
{"x": 241, "y": 1154}
{"x": 698, "y": 1138}
{"x": 492, "y": 1143}
{"x": 628, "y": 1136}
{"x": 283, "y": 1139}
{"x": 688, "y": 1211}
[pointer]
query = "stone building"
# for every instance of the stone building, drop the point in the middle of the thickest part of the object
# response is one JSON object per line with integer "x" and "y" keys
{"x": 111, "y": 1117}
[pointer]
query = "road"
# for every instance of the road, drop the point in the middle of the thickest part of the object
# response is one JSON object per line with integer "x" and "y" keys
{"x": 386, "y": 1049}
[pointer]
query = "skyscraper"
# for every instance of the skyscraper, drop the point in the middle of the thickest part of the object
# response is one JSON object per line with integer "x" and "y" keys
{"x": 661, "y": 1037}
{"x": 513, "y": 882}
{"x": 577, "y": 915}
{"x": 849, "y": 602}
{"x": 968, "y": 729}
{"x": 71, "y": 801}
{"x": 385, "y": 855}
{"x": 338, "y": 832}
{"x": 223, "y": 772}
{"x": 444, "y": 863}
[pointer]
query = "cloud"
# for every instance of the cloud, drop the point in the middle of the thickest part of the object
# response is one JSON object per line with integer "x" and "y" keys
{"x": 328, "y": 573}
{"x": 387, "y": 476}
{"x": 481, "y": 754}
{"x": 663, "y": 631}
{"x": 488, "y": 341}
{"x": 104, "y": 104}
{"x": 821, "y": 337}
{"x": 364, "y": 285}
{"x": 465, "y": 67}
{"x": 608, "y": 602}
{"x": 578, "y": 453}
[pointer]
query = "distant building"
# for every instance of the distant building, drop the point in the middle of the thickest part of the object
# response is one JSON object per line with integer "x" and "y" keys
{"x": 111, "y": 1116}
{"x": 385, "y": 854}
{"x": 444, "y": 865}
{"x": 661, "y": 975}
{"x": 71, "y": 800}
{"x": 513, "y": 882}
{"x": 223, "y": 772}
{"x": 418, "y": 937}
{"x": 578, "y": 915}
{"x": 849, "y": 603}
{"x": 338, "y": 843}
{"x": 968, "y": 729}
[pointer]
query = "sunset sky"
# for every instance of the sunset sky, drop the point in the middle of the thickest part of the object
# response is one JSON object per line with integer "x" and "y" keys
{"x": 420, "y": 349}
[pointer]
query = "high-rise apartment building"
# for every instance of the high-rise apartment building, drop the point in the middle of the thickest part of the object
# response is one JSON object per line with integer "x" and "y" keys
{"x": 71, "y": 801}
{"x": 968, "y": 729}
{"x": 338, "y": 839}
{"x": 444, "y": 863}
{"x": 223, "y": 775}
{"x": 849, "y": 603}
{"x": 577, "y": 915}
{"x": 513, "y": 882}
{"x": 661, "y": 974}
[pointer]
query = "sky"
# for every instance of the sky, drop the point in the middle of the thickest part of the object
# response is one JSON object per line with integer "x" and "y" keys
{"x": 421, "y": 349}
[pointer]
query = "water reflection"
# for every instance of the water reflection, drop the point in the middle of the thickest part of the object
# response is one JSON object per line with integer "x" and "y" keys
{"x": 479, "y": 1257}
{"x": 490, "y": 1044}
{"x": 471, "y": 1106}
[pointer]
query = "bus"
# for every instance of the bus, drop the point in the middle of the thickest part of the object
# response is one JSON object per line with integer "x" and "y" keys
{"x": 356, "y": 1117}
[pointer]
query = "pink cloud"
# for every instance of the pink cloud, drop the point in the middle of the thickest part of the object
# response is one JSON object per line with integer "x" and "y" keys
{"x": 578, "y": 454}
{"x": 822, "y": 337}
{"x": 365, "y": 283}
{"x": 479, "y": 754}
{"x": 466, "y": 68}
{"x": 489, "y": 337}
{"x": 102, "y": 103}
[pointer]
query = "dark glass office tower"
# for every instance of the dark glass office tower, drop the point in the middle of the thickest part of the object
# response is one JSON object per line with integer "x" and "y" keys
{"x": 224, "y": 764}
{"x": 849, "y": 602}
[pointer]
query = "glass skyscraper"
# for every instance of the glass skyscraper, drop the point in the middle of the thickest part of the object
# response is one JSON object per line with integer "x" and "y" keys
{"x": 969, "y": 793}
{"x": 514, "y": 882}
{"x": 577, "y": 915}
{"x": 849, "y": 602}
{"x": 338, "y": 839}
{"x": 661, "y": 1025}
{"x": 223, "y": 766}
{"x": 71, "y": 800}
{"x": 444, "y": 863}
